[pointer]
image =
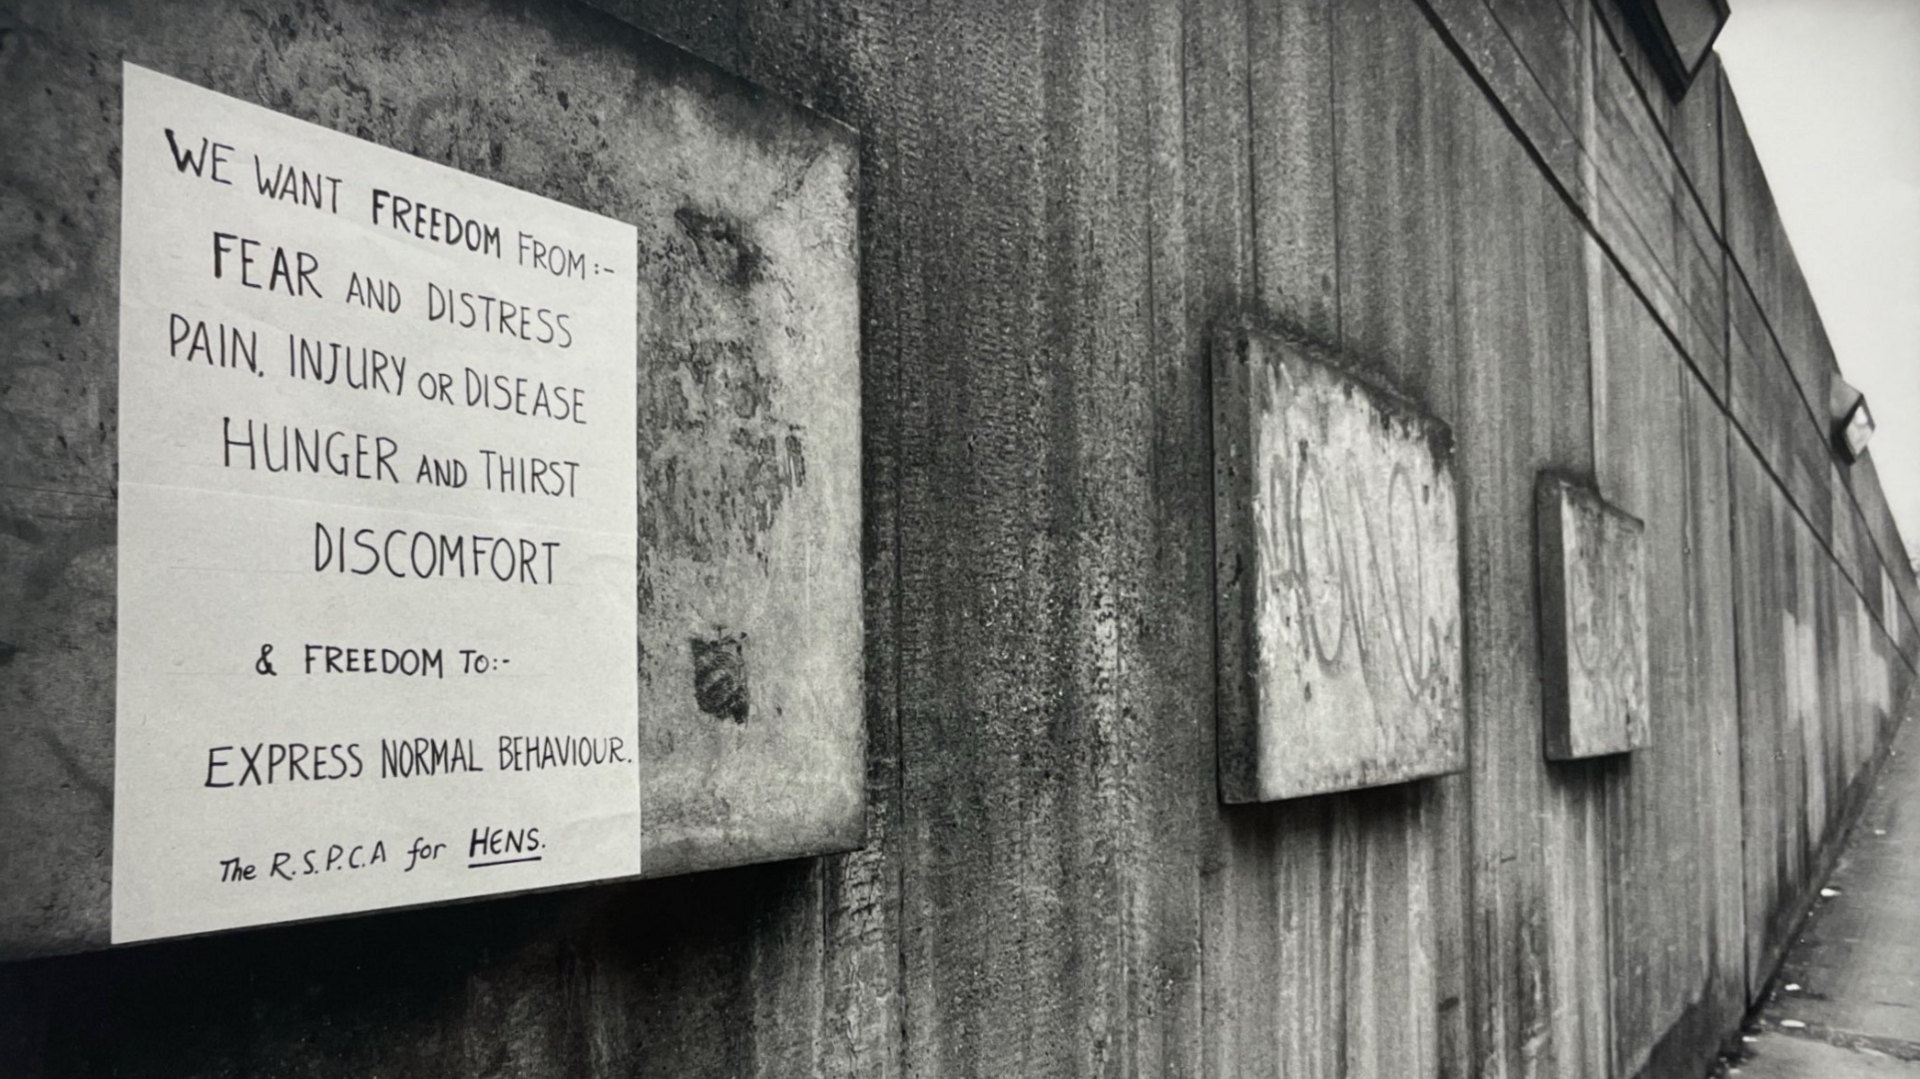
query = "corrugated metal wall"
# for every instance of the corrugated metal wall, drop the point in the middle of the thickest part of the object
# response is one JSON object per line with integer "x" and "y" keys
{"x": 1493, "y": 205}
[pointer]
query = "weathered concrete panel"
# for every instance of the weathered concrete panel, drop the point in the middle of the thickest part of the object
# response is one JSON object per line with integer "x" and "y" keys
{"x": 1593, "y": 623}
{"x": 1339, "y": 577}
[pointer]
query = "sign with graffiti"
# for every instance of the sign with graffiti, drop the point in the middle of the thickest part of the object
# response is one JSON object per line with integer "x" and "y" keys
{"x": 1340, "y": 575}
{"x": 1593, "y": 623}
{"x": 378, "y": 527}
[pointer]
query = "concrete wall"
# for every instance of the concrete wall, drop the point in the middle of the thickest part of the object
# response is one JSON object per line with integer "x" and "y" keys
{"x": 1490, "y": 206}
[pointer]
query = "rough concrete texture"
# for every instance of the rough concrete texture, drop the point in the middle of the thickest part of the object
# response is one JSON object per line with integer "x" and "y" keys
{"x": 1846, "y": 999}
{"x": 1339, "y": 564}
{"x": 1593, "y": 619}
{"x": 1059, "y": 204}
{"x": 752, "y": 737}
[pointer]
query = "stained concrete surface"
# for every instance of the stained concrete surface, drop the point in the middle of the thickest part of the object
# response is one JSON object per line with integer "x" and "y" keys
{"x": 1057, "y": 205}
{"x": 1846, "y": 1001}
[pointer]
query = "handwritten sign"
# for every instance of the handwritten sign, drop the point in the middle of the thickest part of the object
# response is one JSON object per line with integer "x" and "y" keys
{"x": 1340, "y": 574}
{"x": 377, "y": 527}
{"x": 1593, "y": 623}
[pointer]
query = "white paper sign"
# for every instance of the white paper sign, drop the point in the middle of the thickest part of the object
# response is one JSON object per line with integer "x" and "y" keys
{"x": 377, "y": 527}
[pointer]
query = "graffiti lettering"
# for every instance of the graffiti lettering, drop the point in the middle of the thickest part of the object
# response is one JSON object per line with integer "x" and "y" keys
{"x": 1604, "y": 612}
{"x": 1347, "y": 571}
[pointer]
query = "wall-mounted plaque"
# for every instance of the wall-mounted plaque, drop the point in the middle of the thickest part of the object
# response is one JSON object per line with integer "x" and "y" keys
{"x": 1593, "y": 623}
{"x": 1339, "y": 603}
{"x": 478, "y": 521}
{"x": 377, "y": 522}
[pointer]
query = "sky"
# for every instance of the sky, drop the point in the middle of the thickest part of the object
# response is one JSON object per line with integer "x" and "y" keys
{"x": 1830, "y": 90}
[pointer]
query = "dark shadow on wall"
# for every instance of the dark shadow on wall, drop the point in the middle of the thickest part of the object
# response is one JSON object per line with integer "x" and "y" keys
{"x": 588, "y": 982}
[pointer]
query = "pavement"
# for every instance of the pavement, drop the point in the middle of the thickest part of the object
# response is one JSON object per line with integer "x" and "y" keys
{"x": 1846, "y": 1002}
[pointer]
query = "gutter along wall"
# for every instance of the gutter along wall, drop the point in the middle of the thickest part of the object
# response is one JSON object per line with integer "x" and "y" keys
{"x": 1493, "y": 208}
